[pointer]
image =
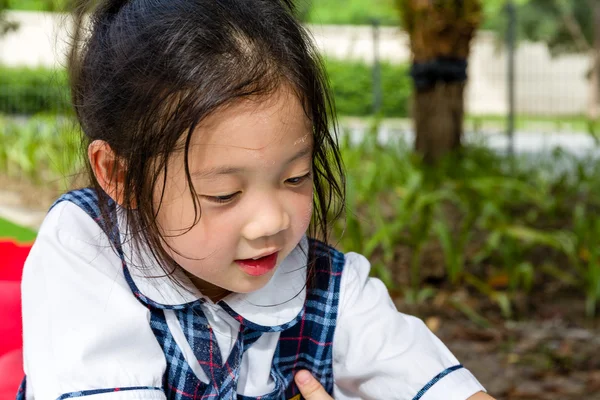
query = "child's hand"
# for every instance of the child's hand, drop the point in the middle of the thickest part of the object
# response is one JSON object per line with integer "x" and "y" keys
{"x": 310, "y": 388}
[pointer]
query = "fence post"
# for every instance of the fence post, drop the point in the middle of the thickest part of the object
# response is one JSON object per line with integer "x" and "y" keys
{"x": 377, "y": 92}
{"x": 511, "y": 38}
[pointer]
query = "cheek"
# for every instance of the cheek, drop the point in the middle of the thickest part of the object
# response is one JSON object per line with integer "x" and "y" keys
{"x": 174, "y": 202}
{"x": 211, "y": 235}
{"x": 179, "y": 224}
{"x": 176, "y": 215}
{"x": 303, "y": 211}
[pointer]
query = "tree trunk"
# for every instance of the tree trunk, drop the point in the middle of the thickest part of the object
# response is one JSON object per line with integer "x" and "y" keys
{"x": 438, "y": 116}
{"x": 440, "y": 38}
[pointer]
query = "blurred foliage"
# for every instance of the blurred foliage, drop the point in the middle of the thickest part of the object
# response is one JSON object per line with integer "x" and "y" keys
{"x": 560, "y": 23}
{"x": 38, "y": 5}
{"x": 348, "y": 12}
{"x": 30, "y": 91}
{"x": 43, "y": 149}
{"x": 494, "y": 13}
{"x": 501, "y": 226}
{"x": 565, "y": 25}
{"x": 352, "y": 85}
{"x": 363, "y": 12}
{"x": 6, "y": 25}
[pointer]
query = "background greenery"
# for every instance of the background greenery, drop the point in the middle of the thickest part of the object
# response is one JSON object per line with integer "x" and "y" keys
{"x": 31, "y": 91}
{"x": 500, "y": 226}
{"x": 15, "y": 232}
{"x": 334, "y": 12}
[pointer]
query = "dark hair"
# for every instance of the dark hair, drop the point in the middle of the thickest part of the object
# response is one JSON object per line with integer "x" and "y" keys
{"x": 149, "y": 71}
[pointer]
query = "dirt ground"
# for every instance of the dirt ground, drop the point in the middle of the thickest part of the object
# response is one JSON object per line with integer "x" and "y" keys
{"x": 553, "y": 354}
{"x": 550, "y": 352}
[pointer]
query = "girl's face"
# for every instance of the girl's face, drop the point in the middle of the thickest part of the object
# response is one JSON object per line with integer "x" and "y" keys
{"x": 251, "y": 166}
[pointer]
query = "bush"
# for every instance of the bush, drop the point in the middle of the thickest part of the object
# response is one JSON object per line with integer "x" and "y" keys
{"x": 44, "y": 149}
{"x": 500, "y": 225}
{"x": 349, "y": 12}
{"x": 352, "y": 84}
{"x": 38, "y": 5}
{"x": 32, "y": 91}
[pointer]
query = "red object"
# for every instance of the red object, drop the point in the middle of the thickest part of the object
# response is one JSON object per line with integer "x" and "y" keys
{"x": 12, "y": 258}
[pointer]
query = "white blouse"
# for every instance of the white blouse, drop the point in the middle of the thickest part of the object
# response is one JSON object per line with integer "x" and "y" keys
{"x": 85, "y": 330}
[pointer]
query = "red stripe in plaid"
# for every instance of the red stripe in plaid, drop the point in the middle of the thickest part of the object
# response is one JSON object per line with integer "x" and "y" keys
{"x": 299, "y": 343}
{"x": 181, "y": 392}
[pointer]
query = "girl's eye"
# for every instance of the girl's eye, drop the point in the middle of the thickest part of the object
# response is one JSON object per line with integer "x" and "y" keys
{"x": 298, "y": 180}
{"x": 222, "y": 199}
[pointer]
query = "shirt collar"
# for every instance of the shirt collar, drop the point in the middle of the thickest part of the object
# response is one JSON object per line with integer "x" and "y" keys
{"x": 278, "y": 303}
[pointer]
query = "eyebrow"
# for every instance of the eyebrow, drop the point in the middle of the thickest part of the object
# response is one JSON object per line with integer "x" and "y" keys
{"x": 228, "y": 170}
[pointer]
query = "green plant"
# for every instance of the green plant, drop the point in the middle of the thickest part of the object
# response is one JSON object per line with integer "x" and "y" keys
{"x": 500, "y": 226}
{"x": 43, "y": 149}
{"x": 39, "y": 5}
{"x": 503, "y": 226}
{"x": 31, "y": 91}
{"x": 587, "y": 258}
{"x": 352, "y": 84}
{"x": 351, "y": 12}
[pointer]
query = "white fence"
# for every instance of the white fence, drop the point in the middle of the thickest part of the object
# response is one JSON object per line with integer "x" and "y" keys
{"x": 544, "y": 85}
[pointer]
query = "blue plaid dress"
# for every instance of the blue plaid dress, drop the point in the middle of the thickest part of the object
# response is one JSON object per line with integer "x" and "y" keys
{"x": 304, "y": 343}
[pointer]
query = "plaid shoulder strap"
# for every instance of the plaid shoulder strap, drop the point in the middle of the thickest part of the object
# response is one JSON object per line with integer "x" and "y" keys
{"x": 309, "y": 343}
{"x": 87, "y": 199}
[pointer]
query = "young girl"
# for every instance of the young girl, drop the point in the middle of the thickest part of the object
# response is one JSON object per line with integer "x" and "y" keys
{"x": 184, "y": 270}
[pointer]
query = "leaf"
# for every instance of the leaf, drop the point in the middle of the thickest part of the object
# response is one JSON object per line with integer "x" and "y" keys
{"x": 452, "y": 252}
{"x": 424, "y": 294}
{"x": 503, "y": 301}
{"x": 470, "y": 313}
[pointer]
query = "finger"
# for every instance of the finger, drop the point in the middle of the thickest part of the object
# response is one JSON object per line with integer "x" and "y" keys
{"x": 310, "y": 388}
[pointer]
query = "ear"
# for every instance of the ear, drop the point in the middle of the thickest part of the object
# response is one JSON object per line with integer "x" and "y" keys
{"x": 108, "y": 169}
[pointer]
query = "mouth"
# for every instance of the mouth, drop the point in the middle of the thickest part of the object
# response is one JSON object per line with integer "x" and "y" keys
{"x": 260, "y": 265}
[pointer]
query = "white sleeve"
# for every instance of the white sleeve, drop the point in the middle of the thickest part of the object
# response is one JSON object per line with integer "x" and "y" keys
{"x": 380, "y": 353}
{"x": 84, "y": 332}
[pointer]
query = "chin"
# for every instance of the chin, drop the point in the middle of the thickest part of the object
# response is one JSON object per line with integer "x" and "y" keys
{"x": 257, "y": 284}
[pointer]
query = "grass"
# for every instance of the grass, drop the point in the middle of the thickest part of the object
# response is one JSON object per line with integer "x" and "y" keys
{"x": 495, "y": 123}
{"x": 572, "y": 123}
{"x": 352, "y": 12}
{"x": 15, "y": 232}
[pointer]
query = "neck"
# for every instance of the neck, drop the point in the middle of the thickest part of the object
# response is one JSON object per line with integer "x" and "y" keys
{"x": 214, "y": 293}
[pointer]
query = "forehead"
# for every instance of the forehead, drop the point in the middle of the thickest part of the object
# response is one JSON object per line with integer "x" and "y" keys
{"x": 257, "y": 124}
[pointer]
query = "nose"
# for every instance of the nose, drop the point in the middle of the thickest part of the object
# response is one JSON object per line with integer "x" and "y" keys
{"x": 269, "y": 218}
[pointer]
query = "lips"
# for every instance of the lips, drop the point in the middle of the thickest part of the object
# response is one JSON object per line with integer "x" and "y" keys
{"x": 260, "y": 266}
